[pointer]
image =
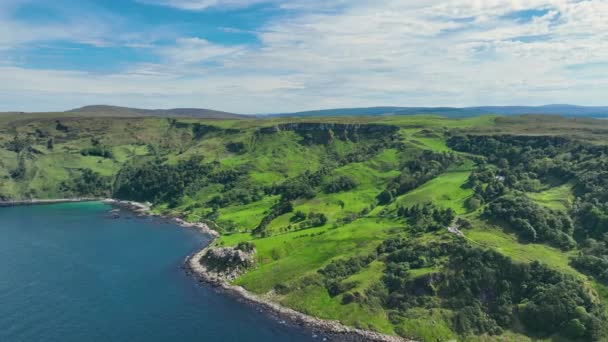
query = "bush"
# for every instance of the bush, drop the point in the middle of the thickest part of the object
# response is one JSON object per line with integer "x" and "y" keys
{"x": 299, "y": 216}
{"x": 246, "y": 246}
{"x": 236, "y": 147}
{"x": 98, "y": 151}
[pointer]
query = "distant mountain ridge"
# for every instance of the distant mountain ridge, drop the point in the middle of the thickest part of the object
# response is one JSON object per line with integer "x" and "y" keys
{"x": 455, "y": 112}
{"x": 104, "y": 110}
{"x": 450, "y": 112}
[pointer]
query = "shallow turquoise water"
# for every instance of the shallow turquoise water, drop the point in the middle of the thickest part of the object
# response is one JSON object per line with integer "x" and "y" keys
{"x": 68, "y": 272}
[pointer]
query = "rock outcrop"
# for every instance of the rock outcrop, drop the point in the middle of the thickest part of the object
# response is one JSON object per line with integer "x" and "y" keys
{"x": 228, "y": 263}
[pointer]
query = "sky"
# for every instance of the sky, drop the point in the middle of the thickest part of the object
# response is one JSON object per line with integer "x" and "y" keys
{"x": 270, "y": 56}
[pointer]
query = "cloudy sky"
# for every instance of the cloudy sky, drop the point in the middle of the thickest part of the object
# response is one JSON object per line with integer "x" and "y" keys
{"x": 261, "y": 56}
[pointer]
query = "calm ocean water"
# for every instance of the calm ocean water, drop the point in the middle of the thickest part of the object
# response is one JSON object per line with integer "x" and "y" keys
{"x": 70, "y": 273}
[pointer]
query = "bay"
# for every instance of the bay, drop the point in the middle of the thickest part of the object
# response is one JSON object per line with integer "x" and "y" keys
{"x": 69, "y": 272}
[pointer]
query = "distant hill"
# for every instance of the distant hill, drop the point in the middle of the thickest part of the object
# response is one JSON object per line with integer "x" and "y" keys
{"x": 103, "y": 110}
{"x": 450, "y": 112}
{"x": 454, "y": 112}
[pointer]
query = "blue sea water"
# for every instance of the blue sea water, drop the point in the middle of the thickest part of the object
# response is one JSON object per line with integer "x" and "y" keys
{"x": 69, "y": 272}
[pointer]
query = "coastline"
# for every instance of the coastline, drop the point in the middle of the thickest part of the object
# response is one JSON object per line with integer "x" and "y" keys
{"x": 200, "y": 272}
{"x": 144, "y": 210}
{"x": 332, "y": 328}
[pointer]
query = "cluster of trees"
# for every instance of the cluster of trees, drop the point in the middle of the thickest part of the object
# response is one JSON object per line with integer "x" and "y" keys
{"x": 87, "y": 183}
{"x": 506, "y": 150}
{"x": 237, "y": 195}
{"x": 281, "y": 208}
{"x": 20, "y": 171}
{"x": 314, "y": 220}
{"x": 352, "y": 216}
{"x": 339, "y": 184}
{"x": 427, "y": 217}
{"x": 338, "y": 270}
{"x": 98, "y": 151}
{"x": 308, "y": 221}
{"x": 488, "y": 291}
{"x": 236, "y": 147}
{"x": 299, "y": 216}
{"x": 533, "y": 222}
{"x": 593, "y": 259}
{"x": 405, "y": 254}
{"x": 302, "y": 186}
{"x": 415, "y": 172}
{"x": 158, "y": 182}
{"x": 512, "y": 162}
{"x": 364, "y": 152}
{"x": 487, "y": 185}
{"x": 522, "y": 162}
{"x": 593, "y": 216}
{"x": 200, "y": 130}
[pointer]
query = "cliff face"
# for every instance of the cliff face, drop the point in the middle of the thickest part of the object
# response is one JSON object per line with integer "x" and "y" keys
{"x": 325, "y": 133}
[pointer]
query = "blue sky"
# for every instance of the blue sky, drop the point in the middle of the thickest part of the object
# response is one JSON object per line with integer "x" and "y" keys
{"x": 261, "y": 56}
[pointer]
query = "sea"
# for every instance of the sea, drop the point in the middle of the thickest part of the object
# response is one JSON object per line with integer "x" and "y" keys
{"x": 72, "y": 272}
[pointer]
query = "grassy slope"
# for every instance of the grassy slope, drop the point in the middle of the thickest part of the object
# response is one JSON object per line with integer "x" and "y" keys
{"x": 447, "y": 190}
{"x": 290, "y": 257}
{"x": 559, "y": 197}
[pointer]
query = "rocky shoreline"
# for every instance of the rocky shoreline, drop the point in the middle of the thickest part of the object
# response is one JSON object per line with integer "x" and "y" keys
{"x": 144, "y": 210}
{"x": 334, "y": 329}
{"x": 331, "y": 328}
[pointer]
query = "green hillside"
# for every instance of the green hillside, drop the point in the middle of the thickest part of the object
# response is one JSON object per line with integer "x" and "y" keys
{"x": 350, "y": 215}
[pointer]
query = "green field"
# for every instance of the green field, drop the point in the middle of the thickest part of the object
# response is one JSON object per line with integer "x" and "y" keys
{"x": 559, "y": 197}
{"x": 447, "y": 190}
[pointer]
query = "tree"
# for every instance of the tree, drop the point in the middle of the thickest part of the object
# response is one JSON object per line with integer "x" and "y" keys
{"x": 473, "y": 203}
{"x": 298, "y": 216}
{"x": 385, "y": 197}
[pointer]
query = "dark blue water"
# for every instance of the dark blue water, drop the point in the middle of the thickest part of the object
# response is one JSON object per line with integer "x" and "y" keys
{"x": 68, "y": 272}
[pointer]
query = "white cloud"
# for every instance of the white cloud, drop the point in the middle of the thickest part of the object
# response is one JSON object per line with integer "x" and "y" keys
{"x": 196, "y": 50}
{"x": 360, "y": 53}
{"x": 198, "y": 5}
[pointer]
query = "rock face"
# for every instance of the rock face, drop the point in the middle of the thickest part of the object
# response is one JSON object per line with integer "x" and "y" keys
{"x": 228, "y": 263}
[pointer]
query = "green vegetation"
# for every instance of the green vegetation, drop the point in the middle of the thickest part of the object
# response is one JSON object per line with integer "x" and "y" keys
{"x": 532, "y": 222}
{"x": 557, "y": 198}
{"x": 349, "y": 216}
